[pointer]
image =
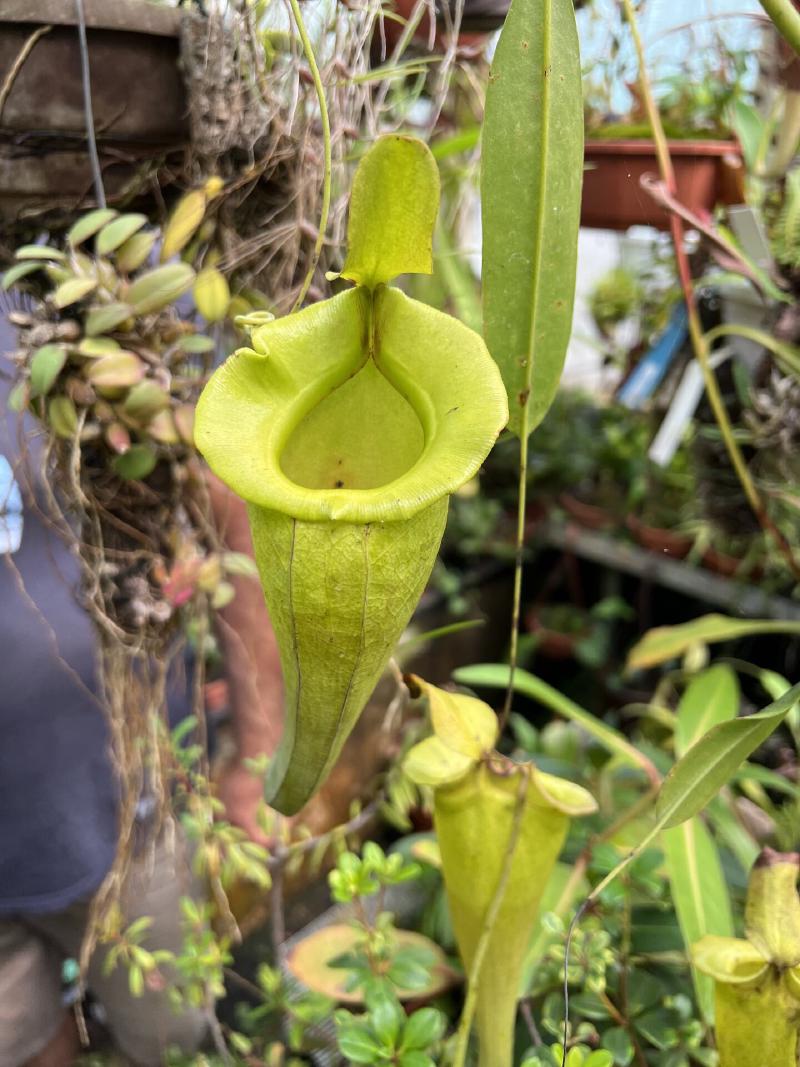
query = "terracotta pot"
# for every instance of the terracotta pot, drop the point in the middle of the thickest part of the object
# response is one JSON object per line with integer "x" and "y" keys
{"x": 552, "y": 644}
{"x": 707, "y": 173}
{"x": 588, "y": 515}
{"x": 730, "y": 566}
{"x": 666, "y": 542}
{"x": 138, "y": 97}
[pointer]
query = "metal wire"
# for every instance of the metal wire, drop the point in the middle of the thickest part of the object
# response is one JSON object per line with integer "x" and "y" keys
{"x": 97, "y": 177}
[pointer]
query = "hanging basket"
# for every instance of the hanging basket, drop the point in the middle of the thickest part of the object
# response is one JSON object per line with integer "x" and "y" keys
{"x": 138, "y": 98}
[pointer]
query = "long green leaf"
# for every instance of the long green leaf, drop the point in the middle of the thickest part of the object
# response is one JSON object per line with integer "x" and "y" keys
{"x": 714, "y": 759}
{"x": 667, "y": 642}
{"x": 496, "y": 676}
{"x": 699, "y": 894}
{"x": 730, "y": 832}
{"x": 532, "y": 170}
{"x": 749, "y": 125}
{"x": 710, "y": 698}
{"x": 699, "y": 775}
{"x": 785, "y": 353}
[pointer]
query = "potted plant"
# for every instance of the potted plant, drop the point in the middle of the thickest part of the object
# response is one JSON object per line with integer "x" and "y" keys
{"x": 707, "y": 160}
{"x": 706, "y": 173}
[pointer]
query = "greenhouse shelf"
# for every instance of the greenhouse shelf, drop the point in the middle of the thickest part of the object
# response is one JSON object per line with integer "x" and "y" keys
{"x": 693, "y": 581}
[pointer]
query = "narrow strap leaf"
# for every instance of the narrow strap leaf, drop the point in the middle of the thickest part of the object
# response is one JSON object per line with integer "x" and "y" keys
{"x": 531, "y": 179}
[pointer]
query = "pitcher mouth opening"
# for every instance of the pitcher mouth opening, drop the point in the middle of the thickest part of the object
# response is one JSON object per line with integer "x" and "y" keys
{"x": 363, "y": 434}
{"x": 317, "y": 424}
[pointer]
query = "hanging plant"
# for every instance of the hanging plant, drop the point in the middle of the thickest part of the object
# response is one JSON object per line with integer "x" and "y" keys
{"x": 345, "y": 428}
{"x": 500, "y": 827}
{"x": 757, "y": 981}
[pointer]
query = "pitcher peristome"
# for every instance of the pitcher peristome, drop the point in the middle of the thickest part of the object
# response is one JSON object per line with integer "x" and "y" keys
{"x": 757, "y": 981}
{"x": 476, "y": 794}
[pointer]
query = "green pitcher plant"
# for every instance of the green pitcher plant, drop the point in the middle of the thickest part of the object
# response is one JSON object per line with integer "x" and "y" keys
{"x": 482, "y": 800}
{"x": 757, "y": 980}
{"x": 345, "y": 428}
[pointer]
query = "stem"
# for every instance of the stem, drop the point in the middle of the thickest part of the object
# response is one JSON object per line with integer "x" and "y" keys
{"x": 473, "y": 981}
{"x": 785, "y": 19}
{"x": 636, "y": 809}
{"x": 699, "y": 344}
{"x": 326, "y": 142}
{"x": 637, "y": 850}
{"x": 522, "y": 495}
{"x": 19, "y": 63}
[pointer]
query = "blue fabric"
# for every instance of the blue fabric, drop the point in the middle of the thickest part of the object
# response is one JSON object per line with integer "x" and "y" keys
{"x": 57, "y": 791}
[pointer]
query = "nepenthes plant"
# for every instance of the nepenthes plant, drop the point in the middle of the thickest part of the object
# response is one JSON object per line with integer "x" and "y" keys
{"x": 345, "y": 428}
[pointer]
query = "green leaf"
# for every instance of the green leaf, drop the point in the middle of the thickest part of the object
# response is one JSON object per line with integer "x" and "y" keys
{"x": 19, "y": 271}
{"x": 184, "y": 222}
{"x": 118, "y": 370}
{"x": 599, "y": 1058}
{"x": 423, "y": 1028}
{"x": 196, "y": 343}
{"x": 785, "y": 353}
{"x": 88, "y": 225}
{"x": 116, "y": 233}
{"x": 711, "y": 697}
{"x": 106, "y": 317}
{"x": 135, "y": 980}
{"x": 136, "y": 463}
{"x": 699, "y": 894}
{"x": 416, "y": 1059}
{"x": 94, "y": 347}
{"x": 39, "y": 252}
{"x": 47, "y": 363}
{"x": 749, "y": 127}
{"x": 17, "y": 399}
{"x": 618, "y": 1043}
{"x": 132, "y": 253}
{"x": 407, "y": 973}
{"x": 714, "y": 759}
{"x": 211, "y": 293}
{"x": 73, "y": 290}
{"x": 358, "y": 1045}
{"x": 531, "y": 176}
{"x": 393, "y": 208}
{"x": 62, "y": 416}
{"x": 730, "y": 832}
{"x": 160, "y": 287}
{"x": 386, "y": 1017}
{"x": 668, "y": 642}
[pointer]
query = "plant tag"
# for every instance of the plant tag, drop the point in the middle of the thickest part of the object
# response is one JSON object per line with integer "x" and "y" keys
{"x": 649, "y": 372}
{"x": 683, "y": 406}
{"x": 748, "y": 226}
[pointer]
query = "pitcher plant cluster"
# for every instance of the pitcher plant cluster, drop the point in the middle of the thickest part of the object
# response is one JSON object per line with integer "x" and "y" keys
{"x": 345, "y": 427}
